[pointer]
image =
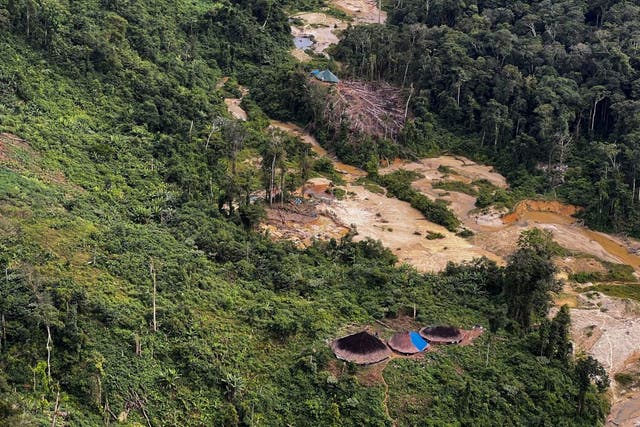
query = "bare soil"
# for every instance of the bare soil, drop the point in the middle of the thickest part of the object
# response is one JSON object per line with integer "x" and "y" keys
{"x": 362, "y": 11}
{"x": 609, "y": 330}
{"x": 460, "y": 166}
{"x": 302, "y": 224}
{"x": 234, "y": 108}
{"x": 403, "y": 229}
{"x": 325, "y": 29}
{"x": 322, "y": 28}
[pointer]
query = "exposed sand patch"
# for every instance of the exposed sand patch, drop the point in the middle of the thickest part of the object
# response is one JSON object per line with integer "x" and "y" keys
{"x": 233, "y": 104}
{"x": 403, "y": 229}
{"x": 462, "y": 169}
{"x": 325, "y": 29}
{"x": 609, "y": 330}
{"x": 302, "y": 224}
{"x": 362, "y": 11}
{"x": 580, "y": 264}
{"x": 234, "y": 108}
{"x": 460, "y": 165}
{"x": 322, "y": 28}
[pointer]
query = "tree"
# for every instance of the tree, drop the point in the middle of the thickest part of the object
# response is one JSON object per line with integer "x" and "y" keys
{"x": 554, "y": 336}
{"x": 529, "y": 277}
{"x": 590, "y": 373}
{"x": 496, "y": 321}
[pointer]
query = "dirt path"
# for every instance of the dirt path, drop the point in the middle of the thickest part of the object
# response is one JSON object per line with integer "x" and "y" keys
{"x": 385, "y": 401}
{"x": 350, "y": 173}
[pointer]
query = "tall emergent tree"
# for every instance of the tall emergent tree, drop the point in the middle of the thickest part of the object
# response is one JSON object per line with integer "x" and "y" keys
{"x": 529, "y": 277}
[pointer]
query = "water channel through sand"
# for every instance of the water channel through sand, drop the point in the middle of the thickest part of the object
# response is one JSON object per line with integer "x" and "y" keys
{"x": 616, "y": 250}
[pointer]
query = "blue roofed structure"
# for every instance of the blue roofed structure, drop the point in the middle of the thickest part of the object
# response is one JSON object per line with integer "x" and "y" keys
{"x": 325, "y": 76}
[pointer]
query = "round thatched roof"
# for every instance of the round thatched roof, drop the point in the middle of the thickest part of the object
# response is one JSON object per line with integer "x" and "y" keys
{"x": 407, "y": 342}
{"x": 441, "y": 334}
{"x": 361, "y": 348}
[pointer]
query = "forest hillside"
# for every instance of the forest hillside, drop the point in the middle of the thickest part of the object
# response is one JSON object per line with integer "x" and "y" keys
{"x": 137, "y": 286}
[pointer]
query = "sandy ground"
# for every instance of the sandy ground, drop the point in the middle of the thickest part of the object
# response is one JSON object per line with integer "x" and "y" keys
{"x": 461, "y": 166}
{"x": 362, "y": 11}
{"x": 464, "y": 170}
{"x": 322, "y": 27}
{"x": 302, "y": 228}
{"x": 325, "y": 29}
{"x": 233, "y": 106}
{"x": 403, "y": 229}
{"x": 609, "y": 330}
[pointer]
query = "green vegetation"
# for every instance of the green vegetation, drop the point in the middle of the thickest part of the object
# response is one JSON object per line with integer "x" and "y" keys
{"x": 529, "y": 277}
{"x": 615, "y": 273}
{"x": 627, "y": 379}
{"x": 459, "y": 186}
{"x": 433, "y": 235}
{"x": 135, "y": 286}
{"x": 324, "y": 167}
{"x": 398, "y": 184}
{"x": 630, "y": 291}
{"x": 464, "y": 233}
{"x": 370, "y": 185}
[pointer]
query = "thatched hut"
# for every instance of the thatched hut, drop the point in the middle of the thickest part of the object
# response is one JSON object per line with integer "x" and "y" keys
{"x": 361, "y": 348}
{"x": 408, "y": 343}
{"x": 441, "y": 334}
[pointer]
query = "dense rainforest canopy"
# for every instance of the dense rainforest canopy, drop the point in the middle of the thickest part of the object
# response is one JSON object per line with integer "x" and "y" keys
{"x": 134, "y": 288}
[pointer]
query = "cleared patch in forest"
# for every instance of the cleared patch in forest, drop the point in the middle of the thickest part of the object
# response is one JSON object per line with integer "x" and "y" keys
{"x": 376, "y": 109}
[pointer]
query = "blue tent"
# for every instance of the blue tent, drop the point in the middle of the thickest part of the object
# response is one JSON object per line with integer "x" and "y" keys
{"x": 325, "y": 76}
{"x": 418, "y": 341}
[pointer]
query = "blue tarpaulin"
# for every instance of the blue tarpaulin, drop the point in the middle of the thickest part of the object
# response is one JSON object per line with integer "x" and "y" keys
{"x": 418, "y": 341}
{"x": 325, "y": 76}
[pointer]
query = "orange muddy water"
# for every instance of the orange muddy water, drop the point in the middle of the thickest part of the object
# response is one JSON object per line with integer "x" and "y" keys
{"x": 556, "y": 213}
